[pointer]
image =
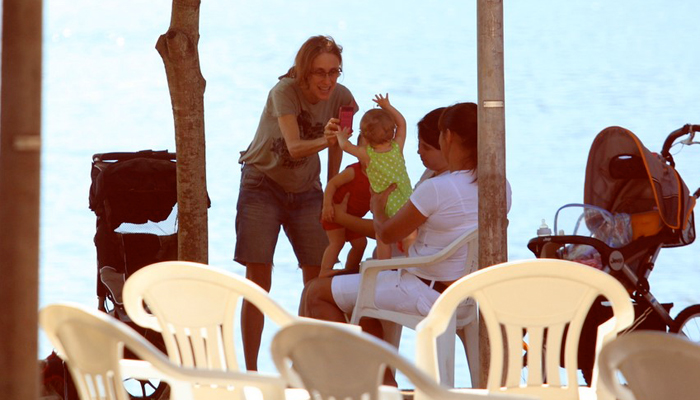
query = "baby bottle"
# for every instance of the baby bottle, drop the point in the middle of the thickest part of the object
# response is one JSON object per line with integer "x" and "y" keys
{"x": 544, "y": 229}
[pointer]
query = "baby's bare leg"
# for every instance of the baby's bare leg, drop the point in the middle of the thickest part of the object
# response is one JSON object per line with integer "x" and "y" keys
{"x": 336, "y": 241}
{"x": 355, "y": 254}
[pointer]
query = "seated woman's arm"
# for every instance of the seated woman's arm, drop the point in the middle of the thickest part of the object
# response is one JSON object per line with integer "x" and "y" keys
{"x": 402, "y": 224}
{"x": 356, "y": 224}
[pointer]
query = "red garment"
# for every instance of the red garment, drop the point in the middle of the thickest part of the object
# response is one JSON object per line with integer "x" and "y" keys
{"x": 358, "y": 203}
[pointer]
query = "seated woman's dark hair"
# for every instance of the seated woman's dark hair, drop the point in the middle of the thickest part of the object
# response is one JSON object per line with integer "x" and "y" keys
{"x": 461, "y": 120}
{"x": 428, "y": 130}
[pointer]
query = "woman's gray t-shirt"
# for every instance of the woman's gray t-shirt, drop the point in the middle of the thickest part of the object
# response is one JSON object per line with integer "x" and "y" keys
{"x": 268, "y": 151}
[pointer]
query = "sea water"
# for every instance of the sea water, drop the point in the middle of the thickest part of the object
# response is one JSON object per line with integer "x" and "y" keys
{"x": 571, "y": 69}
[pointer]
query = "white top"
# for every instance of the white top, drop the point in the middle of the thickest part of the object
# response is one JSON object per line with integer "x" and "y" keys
{"x": 427, "y": 174}
{"x": 451, "y": 204}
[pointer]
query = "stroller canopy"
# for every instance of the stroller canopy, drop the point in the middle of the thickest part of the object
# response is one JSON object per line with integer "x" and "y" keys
{"x": 623, "y": 176}
{"x": 134, "y": 190}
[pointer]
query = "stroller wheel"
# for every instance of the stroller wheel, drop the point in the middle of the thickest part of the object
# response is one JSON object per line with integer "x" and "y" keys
{"x": 688, "y": 323}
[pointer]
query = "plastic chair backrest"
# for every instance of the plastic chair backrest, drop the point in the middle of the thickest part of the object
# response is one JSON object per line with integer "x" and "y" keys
{"x": 337, "y": 363}
{"x": 92, "y": 354}
{"x": 655, "y": 365}
{"x": 469, "y": 330}
{"x": 92, "y": 343}
{"x": 541, "y": 302}
{"x": 194, "y": 306}
{"x": 365, "y": 306}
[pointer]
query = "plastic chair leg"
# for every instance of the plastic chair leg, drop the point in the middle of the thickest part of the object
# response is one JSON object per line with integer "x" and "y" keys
{"x": 469, "y": 335}
{"x": 392, "y": 332}
{"x": 446, "y": 355}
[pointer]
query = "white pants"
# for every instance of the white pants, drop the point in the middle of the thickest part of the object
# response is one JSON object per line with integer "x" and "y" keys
{"x": 399, "y": 291}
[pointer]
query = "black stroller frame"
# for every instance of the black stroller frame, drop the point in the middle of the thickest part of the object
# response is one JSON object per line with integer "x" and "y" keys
{"x": 625, "y": 179}
{"x": 130, "y": 194}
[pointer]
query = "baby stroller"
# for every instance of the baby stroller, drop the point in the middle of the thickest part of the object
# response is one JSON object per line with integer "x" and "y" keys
{"x": 134, "y": 197}
{"x": 635, "y": 204}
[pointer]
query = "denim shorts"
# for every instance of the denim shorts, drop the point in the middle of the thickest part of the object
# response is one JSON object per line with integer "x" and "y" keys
{"x": 263, "y": 207}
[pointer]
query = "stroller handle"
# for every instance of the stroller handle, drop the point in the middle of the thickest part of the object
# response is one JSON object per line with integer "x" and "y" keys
{"x": 122, "y": 156}
{"x": 687, "y": 129}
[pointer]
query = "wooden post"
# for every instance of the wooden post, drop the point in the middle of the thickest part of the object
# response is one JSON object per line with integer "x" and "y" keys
{"x": 178, "y": 48}
{"x": 20, "y": 154}
{"x": 493, "y": 221}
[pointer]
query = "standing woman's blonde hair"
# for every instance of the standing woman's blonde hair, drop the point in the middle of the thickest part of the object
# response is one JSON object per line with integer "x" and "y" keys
{"x": 315, "y": 45}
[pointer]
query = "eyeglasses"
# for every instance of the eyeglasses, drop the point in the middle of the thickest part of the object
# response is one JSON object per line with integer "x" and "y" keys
{"x": 333, "y": 73}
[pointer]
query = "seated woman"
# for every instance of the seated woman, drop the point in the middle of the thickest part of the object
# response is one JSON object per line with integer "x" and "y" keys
{"x": 440, "y": 209}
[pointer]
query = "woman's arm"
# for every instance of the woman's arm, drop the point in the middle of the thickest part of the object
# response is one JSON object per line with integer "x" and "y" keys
{"x": 334, "y": 183}
{"x": 402, "y": 224}
{"x": 297, "y": 147}
{"x": 362, "y": 226}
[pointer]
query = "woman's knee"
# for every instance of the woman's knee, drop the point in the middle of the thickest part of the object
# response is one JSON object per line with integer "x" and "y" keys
{"x": 317, "y": 294}
{"x": 260, "y": 273}
{"x": 311, "y": 292}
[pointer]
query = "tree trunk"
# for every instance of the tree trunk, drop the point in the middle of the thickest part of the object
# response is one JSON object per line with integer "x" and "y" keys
{"x": 493, "y": 222}
{"x": 20, "y": 158}
{"x": 178, "y": 48}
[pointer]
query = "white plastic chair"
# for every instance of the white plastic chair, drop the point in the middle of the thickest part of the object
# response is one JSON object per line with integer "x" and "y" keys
{"x": 336, "y": 363}
{"x": 655, "y": 365}
{"x": 468, "y": 330}
{"x": 195, "y": 307}
{"x": 535, "y": 301}
{"x": 92, "y": 343}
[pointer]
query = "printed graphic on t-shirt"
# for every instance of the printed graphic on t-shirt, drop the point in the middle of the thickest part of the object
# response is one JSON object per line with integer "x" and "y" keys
{"x": 307, "y": 131}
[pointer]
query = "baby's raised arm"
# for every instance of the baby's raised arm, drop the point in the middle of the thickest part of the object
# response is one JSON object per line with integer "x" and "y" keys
{"x": 399, "y": 120}
{"x": 343, "y": 136}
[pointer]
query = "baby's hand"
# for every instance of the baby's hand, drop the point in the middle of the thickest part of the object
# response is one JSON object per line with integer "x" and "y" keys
{"x": 342, "y": 207}
{"x": 343, "y": 133}
{"x": 382, "y": 101}
{"x": 327, "y": 213}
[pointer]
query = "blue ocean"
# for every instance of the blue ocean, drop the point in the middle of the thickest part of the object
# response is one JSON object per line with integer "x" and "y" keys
{"x": 572, "y": 68}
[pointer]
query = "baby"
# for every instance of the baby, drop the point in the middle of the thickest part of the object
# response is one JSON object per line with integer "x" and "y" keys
{"x": 353, "y": 181}
{"x": 384, "y": 129}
